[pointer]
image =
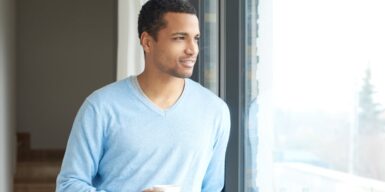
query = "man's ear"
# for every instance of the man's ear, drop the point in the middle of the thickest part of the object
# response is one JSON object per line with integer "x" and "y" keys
{"x": 147, "y": 42}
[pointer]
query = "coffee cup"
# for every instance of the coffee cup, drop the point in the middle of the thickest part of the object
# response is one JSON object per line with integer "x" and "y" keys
{"x": 166, "y": 188}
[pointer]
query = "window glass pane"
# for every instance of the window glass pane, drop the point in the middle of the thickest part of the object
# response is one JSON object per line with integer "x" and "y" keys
{"x": 327, "y": 96}
{"x": 210, "y": 45}
{"x": 251, "y": 60}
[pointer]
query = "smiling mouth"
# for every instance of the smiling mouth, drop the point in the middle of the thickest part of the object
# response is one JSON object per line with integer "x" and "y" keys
{"x": 189, "y": 63}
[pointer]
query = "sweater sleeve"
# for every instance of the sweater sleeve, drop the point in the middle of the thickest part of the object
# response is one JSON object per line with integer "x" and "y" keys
{"x": 83, "y": 152}
{"x": 215, "y": 174}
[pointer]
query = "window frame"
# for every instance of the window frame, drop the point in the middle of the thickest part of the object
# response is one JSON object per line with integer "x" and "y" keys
{"x": 232, "y": 21}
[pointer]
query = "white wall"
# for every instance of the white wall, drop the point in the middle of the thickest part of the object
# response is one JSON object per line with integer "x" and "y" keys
{"x": 66, "y": 50}
{"x": 6, "y": 93}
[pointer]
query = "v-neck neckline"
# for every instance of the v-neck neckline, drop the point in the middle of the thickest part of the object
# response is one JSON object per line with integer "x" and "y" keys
{"x": 147, "y": 101}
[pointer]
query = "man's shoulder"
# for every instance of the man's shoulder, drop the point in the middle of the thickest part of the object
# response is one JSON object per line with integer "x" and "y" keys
{"x": 205, "y": 94}
{"x": 110, "y": 92}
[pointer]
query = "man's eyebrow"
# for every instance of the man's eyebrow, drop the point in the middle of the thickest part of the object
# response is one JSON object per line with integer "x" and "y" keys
{"x": 184, "y": 34}
{"x": 179, "y": 33}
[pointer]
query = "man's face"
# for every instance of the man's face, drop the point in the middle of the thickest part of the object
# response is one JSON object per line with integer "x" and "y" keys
{"x": 176, "y": 49}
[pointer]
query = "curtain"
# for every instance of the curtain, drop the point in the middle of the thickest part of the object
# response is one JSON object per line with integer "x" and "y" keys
{"x": 130, "y": 59}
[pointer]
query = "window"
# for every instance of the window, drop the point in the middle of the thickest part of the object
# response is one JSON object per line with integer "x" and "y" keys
{"x": 250, "y": 96}
{"x": 210, "y": 41}
{"x": 319, "y": 115}
{"x": 207, "y": 68}
{"x": 303, "y": 81}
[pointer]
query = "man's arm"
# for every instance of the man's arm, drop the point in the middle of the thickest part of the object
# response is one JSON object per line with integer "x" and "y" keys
{"x": 215, "y": 174}
{"x": 84, "y": 149}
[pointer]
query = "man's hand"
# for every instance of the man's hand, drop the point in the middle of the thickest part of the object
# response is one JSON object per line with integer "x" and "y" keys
{"x": 153, "y": 189}
{"x": 149, "y": 190}
{"x": 163, "y": 188}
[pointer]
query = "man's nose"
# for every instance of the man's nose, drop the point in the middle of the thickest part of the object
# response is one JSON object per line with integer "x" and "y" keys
{"x": 192, "y": 48}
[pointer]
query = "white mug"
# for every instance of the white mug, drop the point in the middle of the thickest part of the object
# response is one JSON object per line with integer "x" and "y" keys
{"x": 166, "y": 188}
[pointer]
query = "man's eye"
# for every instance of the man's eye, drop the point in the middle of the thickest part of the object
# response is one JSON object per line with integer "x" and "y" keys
{"x": 196, "y": 38}
{"x": 179, "y": 38}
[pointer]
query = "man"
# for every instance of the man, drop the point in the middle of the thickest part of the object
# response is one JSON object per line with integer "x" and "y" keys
{"x": 158, "y": 128}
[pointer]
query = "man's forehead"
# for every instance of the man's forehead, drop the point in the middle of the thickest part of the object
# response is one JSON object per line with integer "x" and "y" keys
{"x": 182, "y": 23}
{"x": 178, "y": 14}
{"x": 181, "y": 19}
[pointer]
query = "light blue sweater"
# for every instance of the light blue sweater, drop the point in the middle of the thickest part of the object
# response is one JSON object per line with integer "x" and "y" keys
{"x": 122, "y": 142}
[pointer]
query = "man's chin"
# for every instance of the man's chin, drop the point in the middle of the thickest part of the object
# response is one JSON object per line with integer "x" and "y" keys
{"x": 182, "y": 75}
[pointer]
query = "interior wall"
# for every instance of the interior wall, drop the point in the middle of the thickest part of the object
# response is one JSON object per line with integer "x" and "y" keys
{"x": 66, "y": 49}
{"x": 6, "y": 93}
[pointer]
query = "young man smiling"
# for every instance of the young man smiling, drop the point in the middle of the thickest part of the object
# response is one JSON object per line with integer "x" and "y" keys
{"x": 156, "y": 128}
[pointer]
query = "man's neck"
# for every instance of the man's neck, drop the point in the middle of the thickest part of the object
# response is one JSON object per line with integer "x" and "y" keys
{"x": 163, "y": 91}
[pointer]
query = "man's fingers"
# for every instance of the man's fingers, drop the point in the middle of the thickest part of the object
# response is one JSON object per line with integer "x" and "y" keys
{"x": 148, "y": 190}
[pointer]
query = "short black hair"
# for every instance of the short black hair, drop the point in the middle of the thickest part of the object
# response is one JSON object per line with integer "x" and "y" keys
{"x": 151, "y": 15}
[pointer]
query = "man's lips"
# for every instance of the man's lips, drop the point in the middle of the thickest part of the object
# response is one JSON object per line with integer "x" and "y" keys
{"x": 188, "y": 62}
